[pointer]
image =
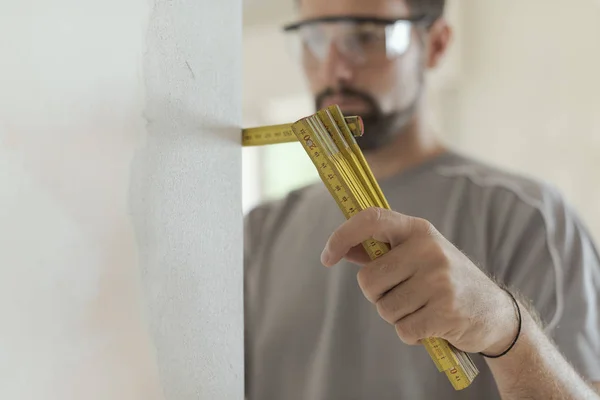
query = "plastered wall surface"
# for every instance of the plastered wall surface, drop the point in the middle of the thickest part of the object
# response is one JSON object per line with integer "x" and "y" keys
{"x": 120, "y": 224}
{"x": 187, "y": 197}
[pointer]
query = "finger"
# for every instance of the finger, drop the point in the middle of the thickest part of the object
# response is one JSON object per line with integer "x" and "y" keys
{"x": 383, "y": 225}
{"x": 386, "y": 272}
{"x": 416, "y": 326}
{"x": 401, "y": 301}
{"x": 358, "y": 255}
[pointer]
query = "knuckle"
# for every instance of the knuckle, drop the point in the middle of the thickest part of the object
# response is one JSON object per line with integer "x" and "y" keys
{"x": 440, "y": 280}
{"x": 365, "y": 282}
{"x": 422, "y": 225}
{"x": 407, "y": 332}
{"x": 363, "y": 278}
{"x": 373, "y": 215}
{"x": 401, "y": 299}
{"x": 371, "y": 278}
{"x": 435, "y": 253}
{"x": 436, "y": 261}
{"x": 430, "y": 229}
{"x": 384, "y": 311}
{"x": 426, "y": 228}
{"x": 441, "y": 264}
{"x": 390, "y": 306}
{"x": 384, "y": 267}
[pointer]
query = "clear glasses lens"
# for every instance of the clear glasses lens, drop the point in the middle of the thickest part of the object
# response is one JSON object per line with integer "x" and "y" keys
{"x": 397, "y": 38}
{"x": 359, "y": 43}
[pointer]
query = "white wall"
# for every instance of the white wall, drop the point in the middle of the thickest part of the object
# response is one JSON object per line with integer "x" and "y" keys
{"x": 530, "y": 93}
{"x": 120, "y": 213}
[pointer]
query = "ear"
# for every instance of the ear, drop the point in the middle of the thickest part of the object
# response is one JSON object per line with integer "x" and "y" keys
{"x": 440, "y": 35}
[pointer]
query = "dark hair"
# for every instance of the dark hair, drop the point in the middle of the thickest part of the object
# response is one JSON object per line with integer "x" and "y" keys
{"x": 432, "y": 9}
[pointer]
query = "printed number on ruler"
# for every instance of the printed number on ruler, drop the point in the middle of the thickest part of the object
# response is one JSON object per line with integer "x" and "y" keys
{"x": 338, "y": 190}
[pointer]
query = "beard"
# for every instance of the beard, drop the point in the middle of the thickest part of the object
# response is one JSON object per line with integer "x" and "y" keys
{"x": 380, "y": 128}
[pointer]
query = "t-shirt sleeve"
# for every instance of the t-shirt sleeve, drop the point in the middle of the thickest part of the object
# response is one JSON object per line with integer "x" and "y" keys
{"x": 546, "y": 253}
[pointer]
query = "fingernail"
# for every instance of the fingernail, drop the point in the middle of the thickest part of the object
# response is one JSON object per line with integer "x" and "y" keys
{"x": 325, "y": 257}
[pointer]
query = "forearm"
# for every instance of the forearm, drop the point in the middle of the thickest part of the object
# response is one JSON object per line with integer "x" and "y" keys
{"x": 534, "y": 369}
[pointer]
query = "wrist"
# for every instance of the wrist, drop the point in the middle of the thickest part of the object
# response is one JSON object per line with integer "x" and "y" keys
{"x": 509, "y": 329}
{"x": 528, "y": 343}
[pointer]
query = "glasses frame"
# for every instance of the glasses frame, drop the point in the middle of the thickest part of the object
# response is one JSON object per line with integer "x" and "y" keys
{"x": 360, "y": 19}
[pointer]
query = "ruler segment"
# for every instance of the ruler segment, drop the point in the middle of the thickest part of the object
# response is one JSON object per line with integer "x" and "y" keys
{"x": 282, "y": 133}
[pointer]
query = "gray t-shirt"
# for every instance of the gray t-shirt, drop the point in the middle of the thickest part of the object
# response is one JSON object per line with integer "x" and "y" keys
{"x": 311, "y": 334}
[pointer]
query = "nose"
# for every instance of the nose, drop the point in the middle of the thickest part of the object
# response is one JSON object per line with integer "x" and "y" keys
{"x": 336, "y": 68}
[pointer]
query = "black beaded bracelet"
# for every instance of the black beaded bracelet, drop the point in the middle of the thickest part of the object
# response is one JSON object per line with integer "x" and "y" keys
{"x": 518, "y": 328}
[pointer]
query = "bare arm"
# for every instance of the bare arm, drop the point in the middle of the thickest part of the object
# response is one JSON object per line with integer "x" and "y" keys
{"x": 534, "y": 369}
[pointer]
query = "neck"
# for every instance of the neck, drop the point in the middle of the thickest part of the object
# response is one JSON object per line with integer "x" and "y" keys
{"x": 411, "y": 148}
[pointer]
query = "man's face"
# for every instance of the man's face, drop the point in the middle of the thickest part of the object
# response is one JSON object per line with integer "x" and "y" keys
{"x": 370, "y": 69}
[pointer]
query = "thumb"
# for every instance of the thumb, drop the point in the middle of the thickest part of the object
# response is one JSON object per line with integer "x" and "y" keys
{"x": 380, "y": 224}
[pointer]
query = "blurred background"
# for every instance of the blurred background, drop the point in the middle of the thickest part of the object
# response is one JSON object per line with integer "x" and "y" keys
{"x": 520, "y": 89}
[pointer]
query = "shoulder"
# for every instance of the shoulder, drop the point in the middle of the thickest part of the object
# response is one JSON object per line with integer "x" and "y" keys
{"x": 517, "y": 214}
{"x": 501, "y": 191}
{"x": 486, "y": 177}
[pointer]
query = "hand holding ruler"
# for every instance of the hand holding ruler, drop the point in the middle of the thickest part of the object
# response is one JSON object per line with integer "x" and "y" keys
{"x": 329, "y": 140}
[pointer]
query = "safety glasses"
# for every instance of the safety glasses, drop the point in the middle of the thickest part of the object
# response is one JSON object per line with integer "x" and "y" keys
{"x": 363, "y": 41}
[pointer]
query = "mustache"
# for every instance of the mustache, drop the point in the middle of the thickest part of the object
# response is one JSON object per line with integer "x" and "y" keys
{"x": 347, "y": 92}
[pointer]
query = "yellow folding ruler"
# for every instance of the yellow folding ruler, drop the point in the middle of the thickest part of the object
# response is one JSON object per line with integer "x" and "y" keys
{"x": 275, "y": 134}
{"x": 329, "y": 140}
